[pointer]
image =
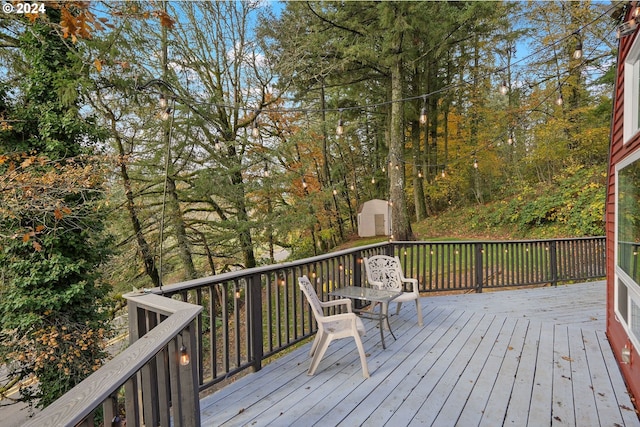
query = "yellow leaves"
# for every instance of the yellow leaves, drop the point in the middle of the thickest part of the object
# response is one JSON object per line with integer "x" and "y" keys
{"x": 59, "y": 213}
{"x": 34, "y": 191}
{"x": 32, "y": 234}
{"x": 98, "y": 64}
{"x": 32, "y": 16}
{"x": 27, "y": 162}
{"x": 4, "y": 125}
{"x": 77, "y": 23}
{"x": 165, "y": 20}
{"x": 71, "y": 352}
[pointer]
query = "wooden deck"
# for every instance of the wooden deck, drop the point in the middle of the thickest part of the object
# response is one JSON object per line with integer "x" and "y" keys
{"x": 534, "y": 357}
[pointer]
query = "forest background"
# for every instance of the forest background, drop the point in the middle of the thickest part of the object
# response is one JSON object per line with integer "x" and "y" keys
{"x": 146, "y": 143}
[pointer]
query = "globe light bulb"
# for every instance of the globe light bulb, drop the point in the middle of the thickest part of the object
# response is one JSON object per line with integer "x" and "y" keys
{"x": 184, "y": 356}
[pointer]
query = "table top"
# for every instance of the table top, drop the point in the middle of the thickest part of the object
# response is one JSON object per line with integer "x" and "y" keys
{"x": 365, "y": 294}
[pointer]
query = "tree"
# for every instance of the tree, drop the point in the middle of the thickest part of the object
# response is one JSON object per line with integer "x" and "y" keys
{"x": 53, "y": 312}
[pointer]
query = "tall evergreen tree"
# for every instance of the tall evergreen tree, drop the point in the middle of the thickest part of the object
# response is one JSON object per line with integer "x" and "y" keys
{"x": 53, "y": 318}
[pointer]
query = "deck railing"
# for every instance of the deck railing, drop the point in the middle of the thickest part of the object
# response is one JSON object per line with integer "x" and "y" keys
{"x": 251, "y": 315}
{"x": 149, "y": 382}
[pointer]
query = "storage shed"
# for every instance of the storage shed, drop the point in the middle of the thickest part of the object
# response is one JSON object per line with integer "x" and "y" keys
{"x": 374, "y": 219}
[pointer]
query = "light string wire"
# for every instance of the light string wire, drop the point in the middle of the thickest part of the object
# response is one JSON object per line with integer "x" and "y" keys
{"x": 257, "y": 111}
{"x": 253, "y": 123}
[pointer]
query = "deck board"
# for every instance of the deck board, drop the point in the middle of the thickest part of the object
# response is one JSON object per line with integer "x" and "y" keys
{"x": 475, "y": 405}
{"x": 543, "y": 380}
{"x": 524, "y": 357}
{"x": 562, "y": 404}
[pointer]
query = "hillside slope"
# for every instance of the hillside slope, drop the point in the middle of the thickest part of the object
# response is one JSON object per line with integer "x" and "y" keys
{"x": 572, "y": 205}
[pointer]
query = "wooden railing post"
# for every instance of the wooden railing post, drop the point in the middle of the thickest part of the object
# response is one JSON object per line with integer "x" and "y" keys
{"x": 357, "y": 269}
{"x": 189, "y": 395}
{"x": 136, "y": 330}
{"x": 479, "y": 266}
{"x": 389, "y": 248}
{"x": 254, "y": 305}
{"x": 553, "y": 259}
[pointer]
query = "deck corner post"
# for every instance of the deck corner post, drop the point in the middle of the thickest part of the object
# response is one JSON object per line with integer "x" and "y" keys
{"x": 189, "y": 406}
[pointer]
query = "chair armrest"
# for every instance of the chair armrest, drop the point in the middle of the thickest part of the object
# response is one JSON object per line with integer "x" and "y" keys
{"x": 335, "y": 302}
{"x": 375, "y": 284}
{"x": 414, "y": 284}
{"x": 347, "y": 318}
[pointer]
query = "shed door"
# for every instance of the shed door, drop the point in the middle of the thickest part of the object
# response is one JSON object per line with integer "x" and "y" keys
{"x": 378, "y": 220}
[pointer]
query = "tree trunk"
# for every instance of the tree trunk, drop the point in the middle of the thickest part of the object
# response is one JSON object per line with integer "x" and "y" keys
{"x": 170, "y": 184}
{"x": 400, "y": 224}
{"x": 184, "y": 248}
{"x": 147, "y": 256}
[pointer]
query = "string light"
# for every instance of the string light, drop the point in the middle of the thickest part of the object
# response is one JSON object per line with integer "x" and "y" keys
{"x": 475, "y": 163}
{"x": 577, "y": 54}
{"x": 184, "y": 356}
{"x": 340, "y": 127}
{"x": 503, "y": 88}
{"x": 423, "y": 112}
{"x": 163, "y": 101}
{"x": 165, "y": 114}
{"x": 628, "y": 27}
{"x": 255, "y": 130}
{"x": 559, "y": 100}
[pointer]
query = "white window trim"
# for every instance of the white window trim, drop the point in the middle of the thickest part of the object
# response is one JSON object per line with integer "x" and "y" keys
{"x": 633, "y": 288}
{"x": 631, "y": 92}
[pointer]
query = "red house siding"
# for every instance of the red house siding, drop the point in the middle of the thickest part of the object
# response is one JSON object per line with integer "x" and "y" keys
{"x": 618, "y": 151}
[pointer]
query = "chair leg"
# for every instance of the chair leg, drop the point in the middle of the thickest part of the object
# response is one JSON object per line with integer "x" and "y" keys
{"x": 314, "y": 346}
{"x": 322, "y": 347}
{"x": 363, "y": 357}
{"x": 419, "y": 310}
{"x": 384, "y": 312}
{"x": 398, "y": 305}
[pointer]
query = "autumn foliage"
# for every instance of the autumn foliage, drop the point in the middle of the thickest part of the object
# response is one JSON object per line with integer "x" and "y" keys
{"x": 53, "y": 308}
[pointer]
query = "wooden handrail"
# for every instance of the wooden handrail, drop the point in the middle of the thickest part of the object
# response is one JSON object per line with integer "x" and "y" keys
{"x": 83, "y": 399}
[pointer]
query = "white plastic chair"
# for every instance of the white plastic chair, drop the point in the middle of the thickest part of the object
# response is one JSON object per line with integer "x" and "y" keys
{"x": 385, "y": 272}
{"x": 332, "y": 327}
